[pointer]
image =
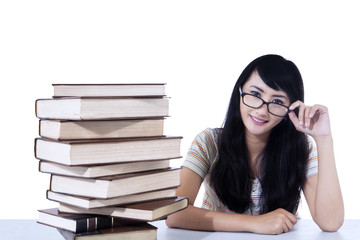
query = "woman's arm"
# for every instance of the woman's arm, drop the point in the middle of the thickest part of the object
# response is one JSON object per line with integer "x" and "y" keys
{"x": 195, "y": 218}
{"x": 322, "y": 191}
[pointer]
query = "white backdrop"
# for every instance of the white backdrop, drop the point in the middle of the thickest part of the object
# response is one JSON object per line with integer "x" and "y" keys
{"x": 198, "y": 48}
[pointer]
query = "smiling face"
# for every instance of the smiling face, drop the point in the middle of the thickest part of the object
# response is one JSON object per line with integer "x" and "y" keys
{"x": 259, "y": 121}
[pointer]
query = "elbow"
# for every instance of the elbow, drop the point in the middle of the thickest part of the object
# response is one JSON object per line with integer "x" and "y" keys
{"x": 171, "y": 221}
{"x": 331, "y": 225}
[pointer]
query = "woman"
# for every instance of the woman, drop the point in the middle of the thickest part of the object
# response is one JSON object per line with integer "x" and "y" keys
{"x": 271, "y": 147}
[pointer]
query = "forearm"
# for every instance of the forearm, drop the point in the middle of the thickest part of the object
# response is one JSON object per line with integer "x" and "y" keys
{"x": 202, "y": 219}
{"x": 329, "y": 206}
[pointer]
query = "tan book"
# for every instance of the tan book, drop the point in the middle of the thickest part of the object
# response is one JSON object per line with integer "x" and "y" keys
{"x": 70, "y": 130}
{"x": 99, "y": 90}
{"x": 101, "y": 108}
{"x": 77, "y": 222}
{"x": 146, "y": 211}
{"x": 115, "y": 186}
{"x": 96, "y": 171}
{"x": 87, "y": 203}
{"x": 139, "y": 231}
{"x": 91, "y": 152}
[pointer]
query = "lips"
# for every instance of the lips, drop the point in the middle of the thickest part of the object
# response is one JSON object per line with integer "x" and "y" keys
{"x": 258, "y": 121}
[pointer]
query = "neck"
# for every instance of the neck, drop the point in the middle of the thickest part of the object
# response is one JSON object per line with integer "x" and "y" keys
{"x": 255, "y": 145}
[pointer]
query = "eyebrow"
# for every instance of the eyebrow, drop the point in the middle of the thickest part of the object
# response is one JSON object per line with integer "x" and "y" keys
{"x": 260, "y": 90}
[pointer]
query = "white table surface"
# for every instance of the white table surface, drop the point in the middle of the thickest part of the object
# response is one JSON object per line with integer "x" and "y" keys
{"x": 304, "y": 229}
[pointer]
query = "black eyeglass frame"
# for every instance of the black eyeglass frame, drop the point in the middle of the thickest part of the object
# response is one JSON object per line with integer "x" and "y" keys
{"x": 242, "y": 94}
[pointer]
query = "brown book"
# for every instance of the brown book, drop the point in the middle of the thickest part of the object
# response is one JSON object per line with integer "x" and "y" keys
{"x": 139, "y": 231}
{"x": 115, "y": 186}
{"x": 86, "y": 202}
{"x": 96, "y": 171}
{"x": 70, "y": 130}
{"x": 146, "y": 211}
{"x": 81, "y": 108}
{"x": 99, "y": 90}
{"x": 91, "y": 152}
{"x": 77, "y": 222}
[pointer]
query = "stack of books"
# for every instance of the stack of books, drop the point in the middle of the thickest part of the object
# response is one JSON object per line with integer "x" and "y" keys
{"x": 109, "y": 160}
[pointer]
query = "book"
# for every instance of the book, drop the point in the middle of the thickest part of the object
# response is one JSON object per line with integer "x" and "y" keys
{"x": 86, "y": 202}
{"x": 115, "y": 186}
{"x": 96, "y": 171}
{"x": 82, "y": 108}
{"x": 97, "y": 129}
{"x": 94, "y": 90}
{"x": 77, "y": 222}
{"x": 140, "y": 231}
{"x": 91, "y": 152}
{"x": 146, "y": 211}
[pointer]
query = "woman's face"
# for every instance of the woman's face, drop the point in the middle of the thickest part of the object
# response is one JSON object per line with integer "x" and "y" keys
{"x": 259, "y": 121}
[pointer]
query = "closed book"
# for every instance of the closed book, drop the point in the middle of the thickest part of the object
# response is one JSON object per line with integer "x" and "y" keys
{"x": 146, "y": 211}
{"x": 96, "y": 171}
{"x": 98, "y": 129}
{"x": 115, "y": 186}
{"x": 91, "y": 152}
{"x": 110, "y": 90}
{"x": 77, "y": 222}
{"x": 86, "y": 202}
{"x": 82, "y": 108}
{"x": 139, "y": 231}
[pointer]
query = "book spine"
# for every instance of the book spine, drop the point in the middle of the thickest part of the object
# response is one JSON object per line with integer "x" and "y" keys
{"x": 93, "y": 224}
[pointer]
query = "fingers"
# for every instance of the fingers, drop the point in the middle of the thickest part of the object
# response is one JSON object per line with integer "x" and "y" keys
{"x": 286, "y": 220}
{"x": 306, "y": 113}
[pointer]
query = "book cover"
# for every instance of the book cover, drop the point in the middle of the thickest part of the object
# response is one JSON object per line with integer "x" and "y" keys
{"x": 91, "y": 152}
{"x": 146, "y": 211}
{"x": 82, "y": 108}
{"x": 87, "y": 202}
{"x": 77, "y": 222}
{"x": 139, "y": 231}
{"x": 98, "y": 90}
{"x": 115, "y": 186}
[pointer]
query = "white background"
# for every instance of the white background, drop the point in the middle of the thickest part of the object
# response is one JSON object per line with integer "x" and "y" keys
{"x": 198, "y": 48}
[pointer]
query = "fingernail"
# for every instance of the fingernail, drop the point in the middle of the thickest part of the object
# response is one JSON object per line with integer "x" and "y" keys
{"x": 307, "y": 124}
{"x": 301, "y": 123}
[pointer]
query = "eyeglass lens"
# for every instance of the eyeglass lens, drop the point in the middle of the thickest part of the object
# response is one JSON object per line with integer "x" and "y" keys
{"x": 255, "y": 102}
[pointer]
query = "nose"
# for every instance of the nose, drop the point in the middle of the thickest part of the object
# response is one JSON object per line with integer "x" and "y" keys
{"x": 262, "y": 111}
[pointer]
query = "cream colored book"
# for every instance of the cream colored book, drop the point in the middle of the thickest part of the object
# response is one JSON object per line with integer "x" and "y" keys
{"x": 71, "y": 130}
{"x": 146, "y": 211}
{"x": 87, "y": 203}
{"x": 92, "y": 152}
{"x": 96, "y": 171}
{"x": 110, "y": 90}
{"x": 82, "y": 108}
{"x": 116, "y": 186}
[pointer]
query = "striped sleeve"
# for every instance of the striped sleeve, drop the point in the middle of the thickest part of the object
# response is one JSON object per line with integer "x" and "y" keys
{"x": 202, "y": 152}
{"x": 312, "y": 166}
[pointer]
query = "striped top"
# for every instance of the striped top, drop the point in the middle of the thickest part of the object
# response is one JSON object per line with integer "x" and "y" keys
{"x": 202, "y": 155}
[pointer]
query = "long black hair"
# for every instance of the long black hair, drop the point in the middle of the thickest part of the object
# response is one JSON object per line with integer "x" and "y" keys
{"x": 284, "y": 159}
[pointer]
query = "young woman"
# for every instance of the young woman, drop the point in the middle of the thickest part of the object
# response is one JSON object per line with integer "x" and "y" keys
{"x": 271, "y": 147}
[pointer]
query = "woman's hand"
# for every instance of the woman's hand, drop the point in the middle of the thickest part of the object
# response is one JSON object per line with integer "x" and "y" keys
{"x": 312, "y": 120}
{"x": 275, "y": 222}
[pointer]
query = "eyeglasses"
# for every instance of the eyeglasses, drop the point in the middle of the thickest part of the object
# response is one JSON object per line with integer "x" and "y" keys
{"x": 252, "y": 101}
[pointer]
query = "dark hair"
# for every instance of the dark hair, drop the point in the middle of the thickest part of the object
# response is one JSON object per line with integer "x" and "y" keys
{"x": 284, "y": 159}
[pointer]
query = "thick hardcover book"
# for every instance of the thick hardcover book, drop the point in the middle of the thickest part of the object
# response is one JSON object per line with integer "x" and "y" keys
{"x": 70, "y": 130}
{"x": 146, "y": 211}
{"x": 110, "y": 90}
{"x": 86, "y": 202}
{"x": 91, "y": 152}
{"x": 96, "y": 171}
{"x": 139, "y": 231}
{"x": 101, "y": 108}
{"x": 77, "y": 222}
{"x": 115, "y": 186}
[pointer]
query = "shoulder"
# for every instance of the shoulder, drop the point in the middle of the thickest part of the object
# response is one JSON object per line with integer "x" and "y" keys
{"x": 209, "y": 135}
